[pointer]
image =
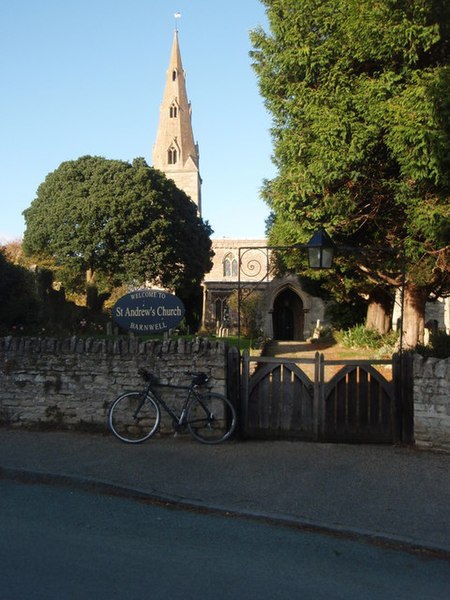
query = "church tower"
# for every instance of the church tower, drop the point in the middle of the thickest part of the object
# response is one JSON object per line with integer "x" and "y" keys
{"x": 175, "y": 152}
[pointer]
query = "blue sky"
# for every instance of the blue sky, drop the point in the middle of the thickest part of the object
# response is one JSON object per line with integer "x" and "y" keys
{"x": 87, "y": 77}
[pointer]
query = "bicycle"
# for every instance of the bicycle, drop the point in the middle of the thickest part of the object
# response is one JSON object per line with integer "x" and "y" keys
{"x": 135, "y": 416}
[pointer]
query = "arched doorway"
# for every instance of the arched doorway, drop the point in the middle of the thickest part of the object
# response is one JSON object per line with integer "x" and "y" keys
{"x": 288, "y": 316}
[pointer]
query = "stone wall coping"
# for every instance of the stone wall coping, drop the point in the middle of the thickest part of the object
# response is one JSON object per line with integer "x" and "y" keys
{"x": 111, "y": 346}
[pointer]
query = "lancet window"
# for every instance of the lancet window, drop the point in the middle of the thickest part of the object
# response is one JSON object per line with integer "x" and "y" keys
{"x": 222, "y": 311}
{"x": 172, "y": 156}
{"x": 230, "y": 266}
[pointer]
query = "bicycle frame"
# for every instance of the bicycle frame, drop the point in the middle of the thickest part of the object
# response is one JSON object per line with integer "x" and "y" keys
{"x": 178, "y": 419}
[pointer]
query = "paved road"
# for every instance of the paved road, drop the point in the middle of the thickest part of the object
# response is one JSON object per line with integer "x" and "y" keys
{"x": 395, "y": 494}
{"x": 58, "y": 542}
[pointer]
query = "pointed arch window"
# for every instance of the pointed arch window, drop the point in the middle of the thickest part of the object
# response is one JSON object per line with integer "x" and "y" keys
{"x": 222, "y": 312}
{"x": 172, "y": 156}
{"x": 173, "y": 111}
{"x": 174, "y": 75}
{"x": 230, "y": 266}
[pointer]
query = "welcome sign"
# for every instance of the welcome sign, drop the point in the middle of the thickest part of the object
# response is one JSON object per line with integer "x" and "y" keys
{"x": 148, "y": 311}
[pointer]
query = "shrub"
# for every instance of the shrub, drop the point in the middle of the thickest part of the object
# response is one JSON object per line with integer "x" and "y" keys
{"x": 360, "y": 337}
{"x": 19, "y": 305}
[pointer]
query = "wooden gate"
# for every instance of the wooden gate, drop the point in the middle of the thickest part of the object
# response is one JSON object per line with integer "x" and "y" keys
{"x": 358, "y": 406}
{"x": 278, "y": 401}
{"x": 291, "y": 399}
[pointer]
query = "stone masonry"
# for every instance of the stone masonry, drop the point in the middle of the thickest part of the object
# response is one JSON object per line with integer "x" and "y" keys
{"x": 71, "y": 382}
{"x": 432, "y": 402}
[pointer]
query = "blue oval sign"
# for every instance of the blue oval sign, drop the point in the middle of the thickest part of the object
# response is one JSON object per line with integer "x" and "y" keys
{"x": 148, "y": 311}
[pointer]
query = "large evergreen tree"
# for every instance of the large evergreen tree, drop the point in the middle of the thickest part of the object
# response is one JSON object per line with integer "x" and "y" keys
{"x": 360, "y": 97}
{"x": 111, "y": 222}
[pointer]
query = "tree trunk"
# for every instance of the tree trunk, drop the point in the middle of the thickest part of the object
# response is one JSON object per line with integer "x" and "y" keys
{"x": 90, "y": 277}
{"x": 379, "y": 310}
{"x": 91, "y": 290}
{"x": 414, "y": 316}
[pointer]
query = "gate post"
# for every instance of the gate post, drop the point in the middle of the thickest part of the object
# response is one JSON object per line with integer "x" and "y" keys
{"x": 404, "y": 399}
{"x": 244, "y": 393}
{"x": 317, "y": 404}
{"x": 233, "y": 376}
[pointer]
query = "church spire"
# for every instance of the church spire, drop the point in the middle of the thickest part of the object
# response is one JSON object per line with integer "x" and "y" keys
{"x": 175, "y": 152}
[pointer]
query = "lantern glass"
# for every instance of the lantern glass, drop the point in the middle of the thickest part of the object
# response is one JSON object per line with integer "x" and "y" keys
{"x": 320, "y": 250}
{"x": 327, "y": 257}
{"x": 314, "y": 258}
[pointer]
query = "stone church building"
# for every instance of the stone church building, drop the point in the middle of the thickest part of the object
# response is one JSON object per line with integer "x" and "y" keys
{"x": 285, "y": 310}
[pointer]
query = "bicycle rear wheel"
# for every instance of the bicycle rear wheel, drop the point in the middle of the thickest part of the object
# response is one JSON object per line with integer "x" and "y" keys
{"x": 211, "y": 418}
{"x": 134, "y": 417}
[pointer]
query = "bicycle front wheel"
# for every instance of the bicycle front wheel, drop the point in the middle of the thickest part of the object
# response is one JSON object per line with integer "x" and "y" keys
{"x": 211, "y": 418}
{"x": 134, "y": 417}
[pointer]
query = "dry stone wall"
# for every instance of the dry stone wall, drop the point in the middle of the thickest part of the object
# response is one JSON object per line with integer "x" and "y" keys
{"x": 432, "y": 402}
{"x": 71, "y": 382}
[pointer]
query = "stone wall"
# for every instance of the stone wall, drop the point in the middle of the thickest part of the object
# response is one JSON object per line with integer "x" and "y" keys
{"x": 432, "y": 402}
{"x": 71, "y": 382}
{"x": 49, "y": 382}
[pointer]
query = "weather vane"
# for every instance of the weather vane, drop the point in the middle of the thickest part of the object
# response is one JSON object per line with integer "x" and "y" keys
{"x": 177, "y": 16}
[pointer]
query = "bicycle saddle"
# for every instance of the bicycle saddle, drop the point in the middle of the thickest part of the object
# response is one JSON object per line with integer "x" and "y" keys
{"x": 199, "y": 378}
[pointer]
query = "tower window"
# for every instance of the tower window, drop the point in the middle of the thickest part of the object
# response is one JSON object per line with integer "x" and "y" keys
{"x": 172, "y": 156}
{"x": 174, "y": 75}
{"x": 173, "y": 111}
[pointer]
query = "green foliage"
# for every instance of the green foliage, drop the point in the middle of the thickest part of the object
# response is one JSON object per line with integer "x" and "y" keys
{"x": 360, "y": 337}
{"x": 359, "y": 92}
{"x": 19, "y": 306}
{"x": 244, "y": 343}
{"x": 346, "y": 314}
{"x": 29, "y": 304}
{"x": 117, "y": 223}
